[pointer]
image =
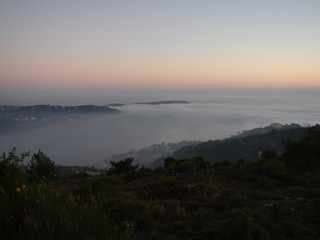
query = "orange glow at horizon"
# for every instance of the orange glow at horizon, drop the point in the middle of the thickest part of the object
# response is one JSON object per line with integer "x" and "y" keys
{"x": 173, "y": 80}
{"x": 164, "y": 73}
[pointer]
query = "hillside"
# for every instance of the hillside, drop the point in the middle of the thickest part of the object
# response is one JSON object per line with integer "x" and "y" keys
{"x": 273, "y": 197}
{"x": 148, "y": 155}
{"x": 246, "y": 145}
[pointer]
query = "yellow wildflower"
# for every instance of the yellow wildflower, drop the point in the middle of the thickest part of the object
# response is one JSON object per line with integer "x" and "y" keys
{"x": 18, "y": 189}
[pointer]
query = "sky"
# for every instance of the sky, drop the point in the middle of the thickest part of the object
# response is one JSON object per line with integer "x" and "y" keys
{"x": 96, "y": 45}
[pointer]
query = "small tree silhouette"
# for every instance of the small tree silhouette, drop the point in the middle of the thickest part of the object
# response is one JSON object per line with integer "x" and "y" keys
{"x": 41, "y": 167}
{"x": 122, "y": 166}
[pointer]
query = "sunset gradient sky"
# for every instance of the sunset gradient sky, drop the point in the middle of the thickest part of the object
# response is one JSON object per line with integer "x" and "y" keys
{"x": 159, "y": 44}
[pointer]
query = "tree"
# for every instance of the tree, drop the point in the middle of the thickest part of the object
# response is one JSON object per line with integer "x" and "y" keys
{"x": 41, "y": 167}
{"x": 304, "y": 156}
{"x": 169, "y": 161}
{"x": 201, "y": 164}
{"x": 174, "y": 166}
{"x": 269, "y": 154}
{"x": 122, "y": 166}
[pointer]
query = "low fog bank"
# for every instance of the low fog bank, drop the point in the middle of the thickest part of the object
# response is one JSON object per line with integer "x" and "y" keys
{"x": 108, "y": 96}
{"x": 91, "y": 139}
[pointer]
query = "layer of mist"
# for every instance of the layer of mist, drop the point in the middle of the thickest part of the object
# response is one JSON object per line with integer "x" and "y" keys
{"x": 91, "y": 139}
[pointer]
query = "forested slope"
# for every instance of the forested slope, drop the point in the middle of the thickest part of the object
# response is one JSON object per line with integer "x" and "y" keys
{"x": 247, "y": 147}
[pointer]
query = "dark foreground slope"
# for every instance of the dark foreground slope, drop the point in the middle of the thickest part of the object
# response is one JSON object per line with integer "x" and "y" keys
{"x": 269, "y": 198}
{"x": 243, "y": 147}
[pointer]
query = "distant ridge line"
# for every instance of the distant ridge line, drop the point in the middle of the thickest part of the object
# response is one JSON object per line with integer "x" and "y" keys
{"x": 164, "y": 102}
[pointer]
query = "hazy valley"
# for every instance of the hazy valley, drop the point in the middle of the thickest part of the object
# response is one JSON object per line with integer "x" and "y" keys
{"x": 148, "y": 130}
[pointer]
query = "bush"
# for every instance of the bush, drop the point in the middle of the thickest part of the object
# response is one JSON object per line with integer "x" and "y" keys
{"x": 12, "y": 172}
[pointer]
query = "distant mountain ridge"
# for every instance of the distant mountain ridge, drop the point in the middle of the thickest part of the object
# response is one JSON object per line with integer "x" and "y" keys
{"x": 24, "y": 112}
{"x": 277, "y": 126}
{"x": 164, "y": 102}
{"x": 17, "y": 118}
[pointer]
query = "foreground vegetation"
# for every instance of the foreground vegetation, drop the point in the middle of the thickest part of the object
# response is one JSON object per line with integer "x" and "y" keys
{"x": 276, "y": 196}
